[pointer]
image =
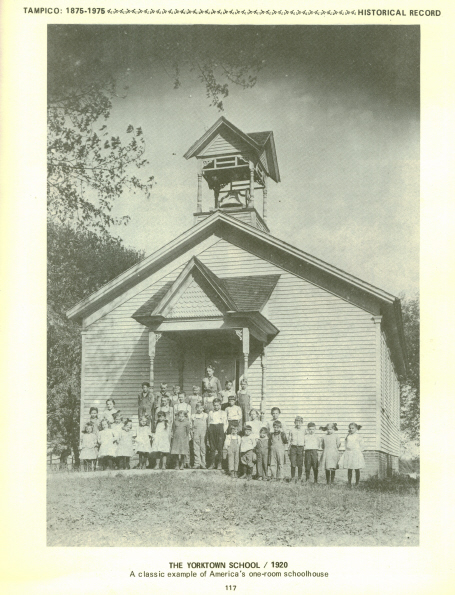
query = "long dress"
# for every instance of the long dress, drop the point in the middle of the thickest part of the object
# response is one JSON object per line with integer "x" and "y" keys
{"x": 107, "y": 445}
{"x": 88, "y": 447}
{"x": 162, "y": 438}
{"x": 125, "y": 446}
{"x": 181, "y": 437}
{"x": 244, "y": 401}
{"x": 211, "y": 388}
{"x": 143, "y": 439}
{"x": 330, "y": 455}
{"x": 353, "y": 457}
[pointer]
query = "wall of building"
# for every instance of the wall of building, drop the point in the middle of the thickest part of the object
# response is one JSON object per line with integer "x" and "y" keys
{"x": 390, "y": 403}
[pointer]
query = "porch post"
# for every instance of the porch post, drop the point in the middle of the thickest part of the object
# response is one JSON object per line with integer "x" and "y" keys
{"x": 251, "y": 202}
{"x": 264, "y": 200}
{"x": 153, "y": 339}
{"x": 246, "y": 350}
{"x": 264, "y": 382}
{"x": 199, "y": 187}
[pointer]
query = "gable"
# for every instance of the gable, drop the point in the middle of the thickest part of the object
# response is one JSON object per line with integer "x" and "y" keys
{"x": 225, "y": 142}
{"x": 194, "y": 302}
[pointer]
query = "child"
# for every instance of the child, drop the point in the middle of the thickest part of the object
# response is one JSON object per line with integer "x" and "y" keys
{"x": 262, "y": 454}
{"x": 145, "y": 402}
{"x": 244, "y": 400}
{"x": 312, "y": 445}
{"x": 94, "y": 420}
{"x": 166, "y": 408}
{"x": 275, "y": 412}
{"x": 125, "y": 448}
{"x": 330, "y": 454}
{"x": 88, "y": 453}
{"x": 181, "y": 439}
{"x": 175, "y": 395}
{"x": 247, "y": 452}
{"x": 297, "y": 441}
{"x": 231, "y": 449}
{"x": 161, "y": 440}
{"x": 181, "y": 405}
{"x": 199, "y": 432}
{"x": 143, "y": 446}
{"x": 117, "y": 428}
{"x": 226, "y": 393}
{"x": 107, "y": 449}
{"x": 277, "y": 441}
{"x": 108, "y": 413}
{"x": 233, "y": 413}
{"x": 212, "y": 388}
{"x": 195, "y": 398}
{"x": 217, "y": 426}
{"x": 255, "y": 424}
{"x": 353, "y": 457}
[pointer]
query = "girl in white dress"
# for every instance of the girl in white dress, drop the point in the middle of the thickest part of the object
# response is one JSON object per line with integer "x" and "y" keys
{"x": 125, "y": 449}
{"x": 353, "y": 457}
{"x": 106, "y": 440}
{"x": 143, "y": 446}
{"x": 88, "y": 452}
{"x": 330, "y": 445}
{"x": 161, "y": 440}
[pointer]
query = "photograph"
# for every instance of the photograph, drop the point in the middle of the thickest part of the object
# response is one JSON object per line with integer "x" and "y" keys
{"x": 233, "y": 312}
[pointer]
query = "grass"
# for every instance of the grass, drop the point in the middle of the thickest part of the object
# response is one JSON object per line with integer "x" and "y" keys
{"x": 196, "y": 508}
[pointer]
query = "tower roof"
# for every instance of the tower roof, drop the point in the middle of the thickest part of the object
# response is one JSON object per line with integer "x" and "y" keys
{"x": 261, "y": 144}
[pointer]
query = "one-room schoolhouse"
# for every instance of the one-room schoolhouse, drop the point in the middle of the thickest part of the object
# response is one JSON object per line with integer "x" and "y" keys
{"x": 310, "y": 338}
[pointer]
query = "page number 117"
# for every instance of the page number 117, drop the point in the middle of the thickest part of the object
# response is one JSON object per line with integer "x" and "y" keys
{"x": 231, "y": 587}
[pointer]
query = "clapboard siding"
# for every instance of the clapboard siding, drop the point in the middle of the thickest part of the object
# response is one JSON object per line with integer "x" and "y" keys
{"x": 390, "y": 402}
{"x": 339, "y": 386}
{"x": 225, "y": 144}
{"x": 321, "y": 364}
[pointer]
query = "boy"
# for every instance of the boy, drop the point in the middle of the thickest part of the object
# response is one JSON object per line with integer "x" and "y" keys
{"x": 233, "y": 413}
{"x": 226, "y": 393}
{"x": 278, "y": 440}
{"x": 275, "y": 412}
{"x": 244, "y": 400}
{"x": 247, "y": 451}
{"x": 262, "y": 454}
{"x": 312, "y": 444}
{"x": 231, "y": 449}
{"x": 145, "y": 403}
{"x": 296, "y": 441}
{"x": 199, "y": 430}
{"x": 195, "y": 398}
{"x": 217, "y": 426}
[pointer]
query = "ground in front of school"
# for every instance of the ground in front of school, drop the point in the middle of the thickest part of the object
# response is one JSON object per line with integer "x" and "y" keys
{"x": 207, "y": 508}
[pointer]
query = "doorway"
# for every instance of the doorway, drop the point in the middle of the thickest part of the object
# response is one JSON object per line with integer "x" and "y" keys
{"x": 227, "y": 367}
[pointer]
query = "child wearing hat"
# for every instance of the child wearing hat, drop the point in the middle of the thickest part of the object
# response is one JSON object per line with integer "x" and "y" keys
{"x": 231, "y": 449}
{"x": 247, "y": 446}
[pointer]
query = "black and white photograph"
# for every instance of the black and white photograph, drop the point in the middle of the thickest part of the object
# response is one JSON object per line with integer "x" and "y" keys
{"x": 233, "y": 285}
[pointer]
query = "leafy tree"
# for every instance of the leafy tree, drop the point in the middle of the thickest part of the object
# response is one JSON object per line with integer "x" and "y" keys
{"x": 78, "y": 264}
{"x": 410, "y": 385}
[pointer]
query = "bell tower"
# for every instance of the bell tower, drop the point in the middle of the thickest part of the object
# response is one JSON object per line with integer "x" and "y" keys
{"x": 235, "y": 166}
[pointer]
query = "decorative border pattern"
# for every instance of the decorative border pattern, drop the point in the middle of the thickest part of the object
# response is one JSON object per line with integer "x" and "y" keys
{"x": 234, "y": 11}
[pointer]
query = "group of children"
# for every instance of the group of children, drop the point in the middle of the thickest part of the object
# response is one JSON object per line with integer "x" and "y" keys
{"x": 202, "y": 431}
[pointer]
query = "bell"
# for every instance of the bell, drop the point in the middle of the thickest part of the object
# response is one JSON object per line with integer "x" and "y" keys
{"x": 231, "y": 199}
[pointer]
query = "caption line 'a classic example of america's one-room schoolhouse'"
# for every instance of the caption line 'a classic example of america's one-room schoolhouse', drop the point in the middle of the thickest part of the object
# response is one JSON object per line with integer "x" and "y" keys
{"x": 311, "y": 339}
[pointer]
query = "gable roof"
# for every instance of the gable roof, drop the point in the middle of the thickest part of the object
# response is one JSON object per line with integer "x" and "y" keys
{"x": 259, "y": 142}
{"x": 282, "y": 254}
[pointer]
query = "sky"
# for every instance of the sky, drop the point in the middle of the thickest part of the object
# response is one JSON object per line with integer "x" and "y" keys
{"x": 342, "y": 102}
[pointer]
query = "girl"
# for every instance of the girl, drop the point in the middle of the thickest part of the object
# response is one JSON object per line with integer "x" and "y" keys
{"x": 353, "y": 457}
{"x": 182, "y": 405}
{"x": 117, "y": 427}
{"x": 143, "y": 445}
{"x": 161, "y": 440}
{"x": 106, "y": 440}
{"x": 166, "y": 408}
{"x": 255, "y": 424}
{"x": 94, "y": 420}
{"x": 181, "y": 440}
{"x": 330, "y": 454}
{"x": 108, "y": 413}
{"x": 244, "y": 400}
{"x": 125, "y": 448}
{"x": 88, "y": 453}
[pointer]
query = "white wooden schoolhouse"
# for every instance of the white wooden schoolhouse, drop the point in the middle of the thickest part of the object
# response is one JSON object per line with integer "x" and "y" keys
{"x": 310, "y": 338}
